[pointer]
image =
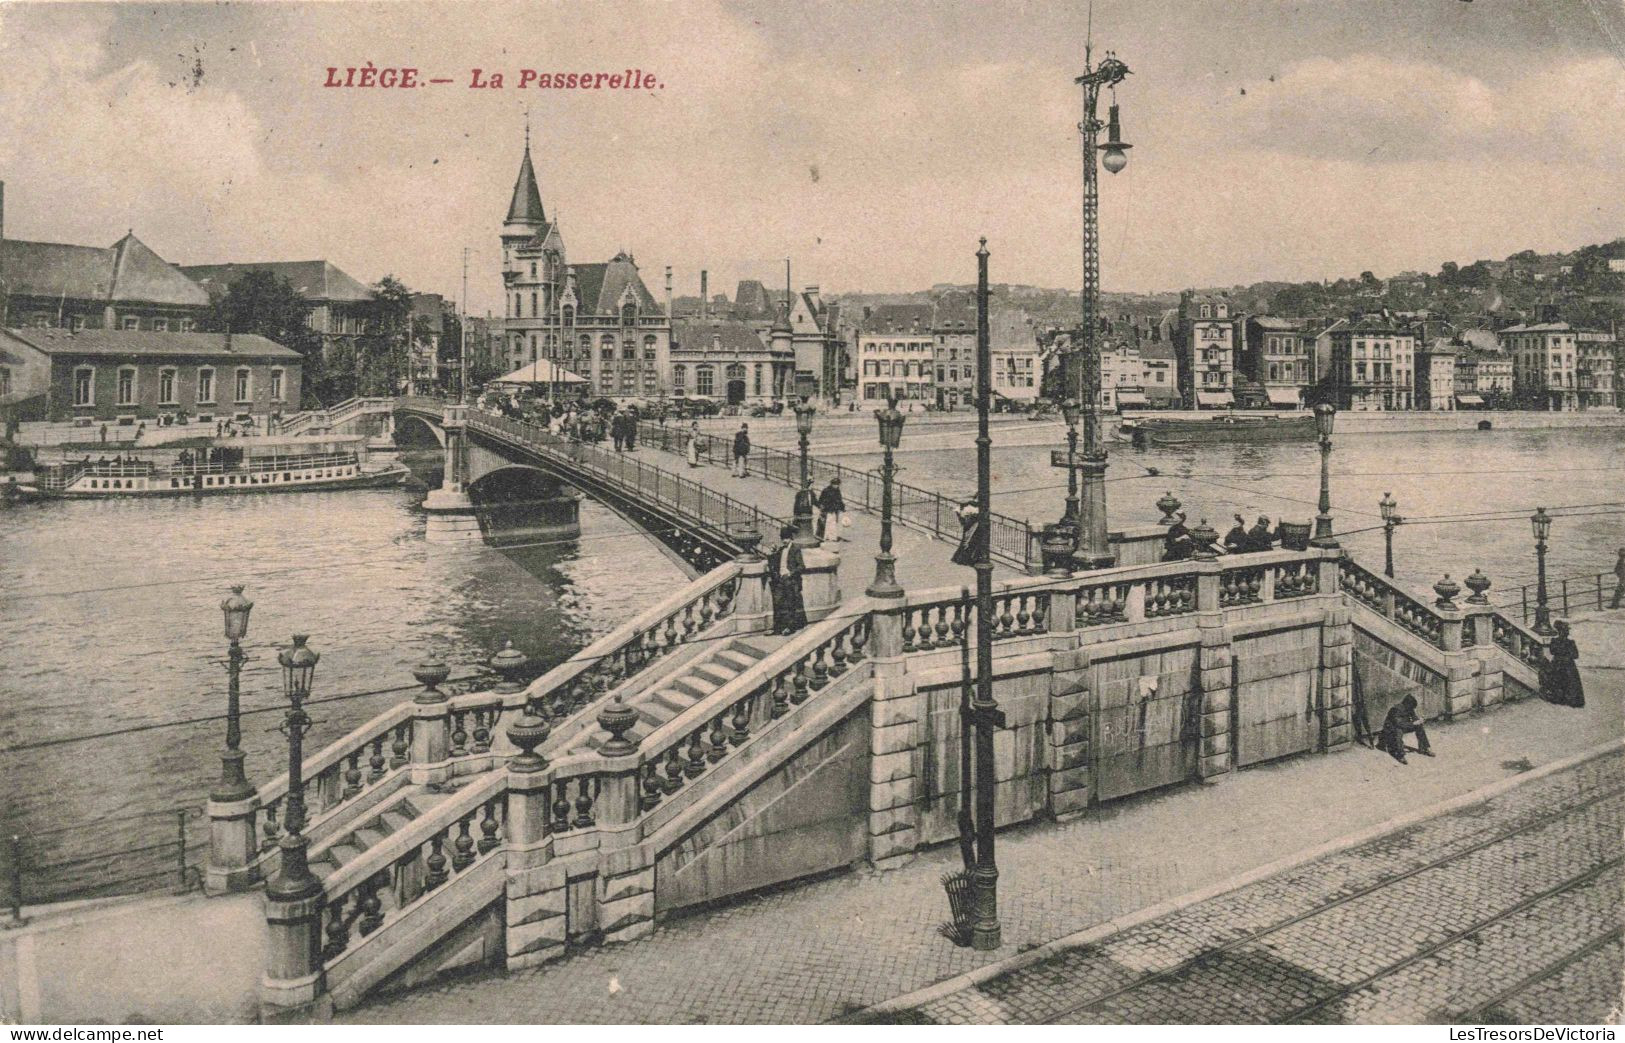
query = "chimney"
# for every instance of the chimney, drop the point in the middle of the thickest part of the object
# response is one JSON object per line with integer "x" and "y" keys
{"x": 668, "y": 294}
{"x": 705, "y": 293}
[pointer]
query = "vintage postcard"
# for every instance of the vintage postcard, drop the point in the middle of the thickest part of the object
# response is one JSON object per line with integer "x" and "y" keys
{"x": 839, "y": 514}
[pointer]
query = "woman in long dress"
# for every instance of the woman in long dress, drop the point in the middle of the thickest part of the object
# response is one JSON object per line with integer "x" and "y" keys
{"x": 784, "y": 568}
{"x": 1560, "y": 677}
{"x": 694, "y": 444}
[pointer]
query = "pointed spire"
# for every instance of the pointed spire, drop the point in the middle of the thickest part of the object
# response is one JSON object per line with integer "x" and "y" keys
{"x": 526, "y": 207}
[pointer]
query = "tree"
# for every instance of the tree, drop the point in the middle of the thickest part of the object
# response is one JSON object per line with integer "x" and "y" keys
{"x": 383, "y": 352}
{"x": 268, "y": 306}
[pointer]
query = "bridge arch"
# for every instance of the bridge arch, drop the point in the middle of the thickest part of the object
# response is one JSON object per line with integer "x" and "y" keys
{"x": 411, "y": 428}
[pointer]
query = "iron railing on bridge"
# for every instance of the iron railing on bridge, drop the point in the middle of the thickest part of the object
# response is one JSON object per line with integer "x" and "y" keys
{"x": 688, "y": 499}
{"x": 1011, "y": 540}
{"x": 1566, "y": 595}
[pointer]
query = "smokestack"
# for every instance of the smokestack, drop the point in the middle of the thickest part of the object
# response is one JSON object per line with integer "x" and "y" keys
{"x": 668, "y": 294}
{"x": 705, "y": 294}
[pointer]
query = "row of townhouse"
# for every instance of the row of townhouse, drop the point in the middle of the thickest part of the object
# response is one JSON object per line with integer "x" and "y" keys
{"x": 926, "y": 354}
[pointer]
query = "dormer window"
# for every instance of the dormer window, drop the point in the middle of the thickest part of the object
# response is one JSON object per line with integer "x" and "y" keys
{"x": 569, "y": 315}
{"x": 1207, "y": 311}
{"x": 629, "y": 314}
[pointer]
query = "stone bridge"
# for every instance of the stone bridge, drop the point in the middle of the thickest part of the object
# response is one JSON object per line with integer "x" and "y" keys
{"x": 689, "y": 756}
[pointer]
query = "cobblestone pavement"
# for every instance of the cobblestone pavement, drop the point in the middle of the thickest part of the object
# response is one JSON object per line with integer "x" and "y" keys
{"x": 1502, "y": 910}
{"x": 829, "y": 948}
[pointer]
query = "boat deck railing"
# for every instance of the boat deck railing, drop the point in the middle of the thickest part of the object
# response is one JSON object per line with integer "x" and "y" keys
{"x": 59, "y": 476}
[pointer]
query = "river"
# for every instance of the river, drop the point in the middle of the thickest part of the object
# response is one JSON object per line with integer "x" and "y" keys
{"x": 109, "y": 610}
{"x": 110, "y": 619}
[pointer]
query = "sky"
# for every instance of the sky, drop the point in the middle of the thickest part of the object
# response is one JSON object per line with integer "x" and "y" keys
{"x": 870, "y": 142}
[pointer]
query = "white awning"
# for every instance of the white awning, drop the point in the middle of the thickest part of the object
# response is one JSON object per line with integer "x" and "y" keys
{"x": 1131, "y": 398}
{"x": 1282, "y": 396}
{"x": 1213, "y": 398}
{"x": 1469, "y": 400}
{"x": 542, "y": 371}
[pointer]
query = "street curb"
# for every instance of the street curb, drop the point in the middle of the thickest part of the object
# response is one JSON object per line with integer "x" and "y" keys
{"x": 1102, "y": 931}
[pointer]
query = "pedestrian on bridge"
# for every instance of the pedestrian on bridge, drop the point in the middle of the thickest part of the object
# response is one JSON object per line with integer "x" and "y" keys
{"x": 1560, "y": 676}
{"x": 784, "y": 568}
{"x": 831, "y": 510}
{"x": 694, "y": 443}
{"x": 742, "y": 451}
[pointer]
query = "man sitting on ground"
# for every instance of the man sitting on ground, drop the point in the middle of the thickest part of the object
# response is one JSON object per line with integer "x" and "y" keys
{"x": 1402, "y": 721}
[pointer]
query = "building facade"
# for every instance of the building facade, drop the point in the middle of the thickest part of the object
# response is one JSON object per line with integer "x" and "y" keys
{"x": 1597, "y": 358}
{"x": 729, "y": 361}
{"x": 1278, "y": 354}
{"x": 126, "y": 377}
{"x": 598, "y": 321}
{"x": 125, "y": 286}
{"x": 1544, "y": 365}
{"x": 1436, "y": 376}
{"x": 953, "y": 324}
{"x": 1013, "y": 353}
{"x": 1207, "y": 350}
{"x": 1372, "y": 365}
{"x": 896, "y": 356}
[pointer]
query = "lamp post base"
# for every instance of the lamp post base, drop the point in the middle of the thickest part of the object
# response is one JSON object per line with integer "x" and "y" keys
{"x": 293, "y": 880}
{"x": 233, "y": 784}
{"x": 885, "y": 583}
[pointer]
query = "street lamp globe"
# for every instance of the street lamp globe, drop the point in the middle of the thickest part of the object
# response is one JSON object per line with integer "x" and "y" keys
{"x": 298, "y": 668}
{"x": 1541, "y": 522}
{"x": 1388, "y": 505}
{"x": 1325, "y": 413}
{"x": 890, "y": 420}
{"x": 235, "y": 609}
{"x": 1115, "y": 148}
{"x": 804, "y": 416}
{"x": 1069, "y": 412}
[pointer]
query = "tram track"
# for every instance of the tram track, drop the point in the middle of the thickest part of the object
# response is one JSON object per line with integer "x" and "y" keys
{"x": 1537, "y": 821}
{"x": 1476, "y": 1014}
{"x": 1459, "y": 935}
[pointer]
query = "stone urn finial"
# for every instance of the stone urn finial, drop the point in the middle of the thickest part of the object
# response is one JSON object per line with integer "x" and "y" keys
{"x": 527, "y": 733}
{"x": 617, "y": 719}
{"x": 749, "y": 540}
{"x": 1168, "y": 504}
{"x": 1204, "y": 535}
{"x": 1447, "y": 589}
{"x": 431, "y": 673}
{"x": 508, "y": 663}
{"x": 1478, "y": 583}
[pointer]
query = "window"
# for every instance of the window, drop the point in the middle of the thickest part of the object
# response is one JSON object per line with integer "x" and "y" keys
{"x": 606, "y": 380}
{"x": 679, "y": 375}
{"x": 703, "y": 380}
{"x": 649, "y": 343}
{"x": 649, "y": 382}
{"x": 188, "y": 325}
{"x": 5, "y": 381}
{"x": 76, "y": 322}
{"x": 166, "y": 386}
{"x": 160, "y": 325}
{"x": 126, "y": 386}
{"x": 629, "y": 314}
{"x": 533, "y": 347}
{"x": 607, "y": 353}
{"x": 276, "y": 385}
{"x": 569, "y": 315}
{"x": 533, "y": 269}
{"x": 628, "y": 382}
{"x": 629, "y": 350}
{"x": 758, "y": 378}
{"x": 131, "y": 322}
{"x": 242, "y": 385}
{"x": 205, "y": 385}
{"x": 533, "y": 309}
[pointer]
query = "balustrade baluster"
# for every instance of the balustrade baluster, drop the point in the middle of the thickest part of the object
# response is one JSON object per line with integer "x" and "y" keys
{"x": 652, "y": 787}
{"x": 837, "y": 655}
{"x": 820, "y": 672}
{"x": 956, "y": 625}
{"x": 782, "y": 690}
{"x": 352, "y": 776}
{"x": 435, "y": 864}
{"x": 696, "y": 755}
{"x": 372, "y": 908}
{"x": 909, "y": 631}
{"x": 799, "y": 694}
{"x": 707, "y": 611}
{"x": 942, "y": 626}
{"x": 269, "y": 827}
{"x": 1023, "y": 617}
{"x": 586, "y": 793}
{"x": 688, "y": 622}
{"x": 674, "y": 768}
{"x": 482, "y": 733}
{"x": 1040, "y": 613}
{"x": 671, "y": 632}
{"x": 1006, "y": 620}
{"x": 337, "y": 929}
{"x": 561, "y": 806}
{"x": 489, "y": 828}
{"x": 463, "y": 847}
{"x": 718, "y": 739}
{"x": 860, "y": 637}
{"x": 401, "y": 746}
{"x": 740, "y": 730}
{"x": 459, "y": 735}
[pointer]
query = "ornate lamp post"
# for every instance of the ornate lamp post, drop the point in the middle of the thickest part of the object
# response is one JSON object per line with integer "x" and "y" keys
{"x": 805, "y": 537}
{"x": 1094, "y": 547}
{"x": 1541, "y": 522}
{"x": 885, "y": 584}
{"x": 1325, "y": 413}
{"x": 1390, "y": 519}
{"x": 293, "y": 879}
{"x": 985, "y": 715}
{"x": 1069, "y": 412}
{"x": 233, "y": 784}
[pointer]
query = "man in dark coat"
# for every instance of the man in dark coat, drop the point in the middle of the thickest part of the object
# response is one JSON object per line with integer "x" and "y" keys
{"x": 1235, "y": 541}
{"x": 741, "y": 450}
{"x": 1258, "y": 537}
{"x": 784, "y": 568}
{"x": 1560, "y": 676}
{"x": 831, "y": 505}
{"x": 631, "y": 428}
{"x": 1400, "y": 722}
{"x": 1177, "y": 544}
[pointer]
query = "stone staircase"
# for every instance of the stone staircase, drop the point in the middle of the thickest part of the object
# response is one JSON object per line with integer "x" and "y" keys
{"x": 698, "y": 678}
{"x": 404, "y": 807}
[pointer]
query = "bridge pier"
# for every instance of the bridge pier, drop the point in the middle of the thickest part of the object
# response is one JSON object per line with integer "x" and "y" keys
{"x": 450, "y": 508}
